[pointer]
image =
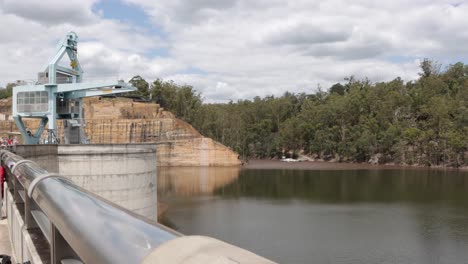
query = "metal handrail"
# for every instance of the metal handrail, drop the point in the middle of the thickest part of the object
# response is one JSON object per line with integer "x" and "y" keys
{"x": 97, "y": 231}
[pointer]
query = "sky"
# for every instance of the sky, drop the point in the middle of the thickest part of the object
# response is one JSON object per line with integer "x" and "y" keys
{"x": 236, "y": 49}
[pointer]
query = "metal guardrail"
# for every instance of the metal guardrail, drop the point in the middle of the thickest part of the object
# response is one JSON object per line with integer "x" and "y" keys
{"x": 79, "y": 225}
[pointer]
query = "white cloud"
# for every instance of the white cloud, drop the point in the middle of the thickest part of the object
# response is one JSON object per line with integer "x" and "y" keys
{"x": 51, "y": 12}
{"x": 107, "y": 49}
{"x": 242, "y": 48}
{"x": 267, "y": 47}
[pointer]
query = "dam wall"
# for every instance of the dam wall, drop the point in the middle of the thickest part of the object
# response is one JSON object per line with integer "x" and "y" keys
{"x": 121, "y": 173}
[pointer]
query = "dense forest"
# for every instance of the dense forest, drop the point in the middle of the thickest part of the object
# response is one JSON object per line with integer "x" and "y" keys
{"x": 418, "y": 122}
{"x": 423, "y": 122}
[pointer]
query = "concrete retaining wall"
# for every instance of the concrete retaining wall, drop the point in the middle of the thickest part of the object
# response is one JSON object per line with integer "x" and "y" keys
{"x": 122, "y": 173}
{"x": 44, "y": 155}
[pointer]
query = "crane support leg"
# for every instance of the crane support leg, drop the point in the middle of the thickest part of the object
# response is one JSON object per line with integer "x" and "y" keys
{"x": 28, "y": 136}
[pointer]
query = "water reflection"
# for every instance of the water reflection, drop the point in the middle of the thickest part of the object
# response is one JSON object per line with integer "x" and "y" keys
{"x": 304, "y": 216}
{"x": 351, "y": 186}
{"x": 189, "y": 181}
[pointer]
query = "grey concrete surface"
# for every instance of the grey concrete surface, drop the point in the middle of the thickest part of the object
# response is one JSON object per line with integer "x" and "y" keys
{"x": 5, "y": 244}
{"x": 122, "y": 173}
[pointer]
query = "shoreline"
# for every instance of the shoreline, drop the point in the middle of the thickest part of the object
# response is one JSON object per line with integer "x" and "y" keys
{"x": 260, "y": 164}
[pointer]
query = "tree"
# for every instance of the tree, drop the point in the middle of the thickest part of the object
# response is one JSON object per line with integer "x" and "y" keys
{"x": 7, "y": 91}
{"x": 182, "y": 100}
{"x": 429, "y": 67}
{"x": 291, "y": 134}
{"x": 337, "y": 88}
{"x": 141, "y": 85}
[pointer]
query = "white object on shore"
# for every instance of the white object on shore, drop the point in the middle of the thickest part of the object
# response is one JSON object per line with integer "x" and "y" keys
{"x": 289, "y": 160}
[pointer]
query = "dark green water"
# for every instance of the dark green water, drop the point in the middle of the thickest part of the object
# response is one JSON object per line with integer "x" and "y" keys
{"x": 313, "y": 216}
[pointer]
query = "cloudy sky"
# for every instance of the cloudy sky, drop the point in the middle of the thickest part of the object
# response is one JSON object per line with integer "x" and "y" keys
{"x": 236, "y": 49}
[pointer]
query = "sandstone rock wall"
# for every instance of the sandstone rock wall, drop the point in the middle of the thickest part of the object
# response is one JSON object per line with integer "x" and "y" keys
{"x": 121, "y": 108}
{"x": 195, "y": 152}
{"x": 120, "y": 120}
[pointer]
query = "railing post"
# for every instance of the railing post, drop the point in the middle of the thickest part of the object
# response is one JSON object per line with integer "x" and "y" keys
{"x": 29, "y": 221}
{"x": 59, "y": 248}
{"x": 17, "y": 188}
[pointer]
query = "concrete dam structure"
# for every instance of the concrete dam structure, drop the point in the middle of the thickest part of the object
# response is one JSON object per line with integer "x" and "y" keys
{"x": 121, "y": 173}
{"x": 50, "y": 219}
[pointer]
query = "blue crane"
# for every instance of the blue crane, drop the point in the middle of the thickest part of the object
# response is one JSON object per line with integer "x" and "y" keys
{"x": 58, "y": 94}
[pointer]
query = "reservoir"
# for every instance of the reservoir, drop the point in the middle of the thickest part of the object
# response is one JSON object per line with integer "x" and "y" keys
{"x": 332, "y": 213}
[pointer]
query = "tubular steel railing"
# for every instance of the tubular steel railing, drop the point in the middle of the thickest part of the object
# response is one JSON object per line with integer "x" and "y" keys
{"x": 79, "y": 226}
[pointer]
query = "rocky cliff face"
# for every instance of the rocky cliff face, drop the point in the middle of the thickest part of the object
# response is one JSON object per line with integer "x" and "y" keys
{"x": 195, "y": 152}
{"x": 120, "y": 120}
{"x": 179, "y": 144}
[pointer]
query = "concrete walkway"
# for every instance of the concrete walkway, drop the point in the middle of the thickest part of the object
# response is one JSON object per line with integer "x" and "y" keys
{"x": 5, "y": 244}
